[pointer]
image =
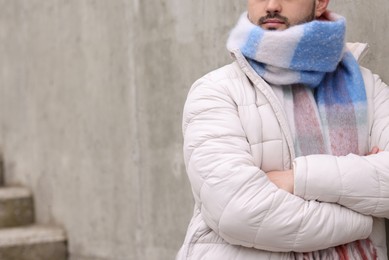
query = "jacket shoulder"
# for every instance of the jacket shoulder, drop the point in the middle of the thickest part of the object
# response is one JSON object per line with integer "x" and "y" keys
{"x": 228, "y": 82}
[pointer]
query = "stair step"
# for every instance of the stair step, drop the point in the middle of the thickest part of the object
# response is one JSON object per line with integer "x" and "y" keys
{"x": 33, "y": 243}
{"x": 16, "y": 207}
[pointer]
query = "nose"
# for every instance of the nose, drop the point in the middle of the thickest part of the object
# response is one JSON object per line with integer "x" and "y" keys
{"x": 274, "y": 6}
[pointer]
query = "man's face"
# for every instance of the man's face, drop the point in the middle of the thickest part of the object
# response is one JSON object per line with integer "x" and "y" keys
{"x": 281, "y": 14}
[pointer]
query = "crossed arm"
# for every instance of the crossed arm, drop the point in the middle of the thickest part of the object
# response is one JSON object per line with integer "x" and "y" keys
{"x": 285, "y": 179}
{"x": 239, "y": 203}
{"x": 236, "y": 198}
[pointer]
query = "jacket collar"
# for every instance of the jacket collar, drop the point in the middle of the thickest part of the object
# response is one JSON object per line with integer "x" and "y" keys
{"x": 358, "y": 49}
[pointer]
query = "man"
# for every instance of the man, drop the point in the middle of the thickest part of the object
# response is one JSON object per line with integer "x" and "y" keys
{"x": 286, "y": 148}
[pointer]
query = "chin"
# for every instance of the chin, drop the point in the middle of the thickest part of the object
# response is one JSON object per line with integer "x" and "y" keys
{"x": 274, "y": 28}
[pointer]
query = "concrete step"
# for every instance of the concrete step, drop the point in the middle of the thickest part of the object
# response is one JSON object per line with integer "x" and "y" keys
{"x": 16, "y": 207}
{"x": 33, "y": 243}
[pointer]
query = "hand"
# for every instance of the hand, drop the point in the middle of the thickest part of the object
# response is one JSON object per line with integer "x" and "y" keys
{"x": 282, "y": 179}
{"x": 375, "y": 150}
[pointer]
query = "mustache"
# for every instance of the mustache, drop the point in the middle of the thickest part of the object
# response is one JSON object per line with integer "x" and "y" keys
{"x": 263, "y": 19}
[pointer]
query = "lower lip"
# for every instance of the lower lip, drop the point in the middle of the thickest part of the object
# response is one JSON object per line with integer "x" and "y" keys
{"x": 274, "y": 26}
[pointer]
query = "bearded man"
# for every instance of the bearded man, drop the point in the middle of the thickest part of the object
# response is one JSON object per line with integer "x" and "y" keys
{"x": 287, "y": 148}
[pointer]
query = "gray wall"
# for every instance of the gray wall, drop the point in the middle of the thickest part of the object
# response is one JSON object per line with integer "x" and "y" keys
{"x": 91, "y": 93}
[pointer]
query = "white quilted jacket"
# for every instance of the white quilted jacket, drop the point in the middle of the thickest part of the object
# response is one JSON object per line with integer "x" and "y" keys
{"x": 235, "y": 130}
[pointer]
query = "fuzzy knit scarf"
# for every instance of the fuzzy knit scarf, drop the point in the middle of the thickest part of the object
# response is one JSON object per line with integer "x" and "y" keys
{"x": 311, "y": 58}
{"x": 324, "y": 92}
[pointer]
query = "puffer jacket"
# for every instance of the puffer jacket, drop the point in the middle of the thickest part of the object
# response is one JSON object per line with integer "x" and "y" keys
{"x": 235, "y": 130}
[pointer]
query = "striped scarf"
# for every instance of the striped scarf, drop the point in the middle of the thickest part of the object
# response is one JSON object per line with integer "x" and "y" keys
{"x": 323, "y": 90}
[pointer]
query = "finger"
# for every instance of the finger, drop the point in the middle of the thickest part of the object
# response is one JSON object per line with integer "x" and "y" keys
{"x": 375, "y": 150}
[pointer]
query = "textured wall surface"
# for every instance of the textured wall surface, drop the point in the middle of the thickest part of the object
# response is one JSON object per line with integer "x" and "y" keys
{"x": 91, "y": 96}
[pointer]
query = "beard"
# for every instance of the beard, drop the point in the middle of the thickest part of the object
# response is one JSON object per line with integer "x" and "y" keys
{"x": 285, "y": 20}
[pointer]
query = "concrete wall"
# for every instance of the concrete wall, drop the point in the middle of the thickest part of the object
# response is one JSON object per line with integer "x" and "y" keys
{"x": 91, "y": 93}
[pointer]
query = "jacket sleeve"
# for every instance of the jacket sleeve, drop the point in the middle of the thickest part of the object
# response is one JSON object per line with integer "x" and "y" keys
{"x": 236, "y": 198}
{"x": 360, "y": 183}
